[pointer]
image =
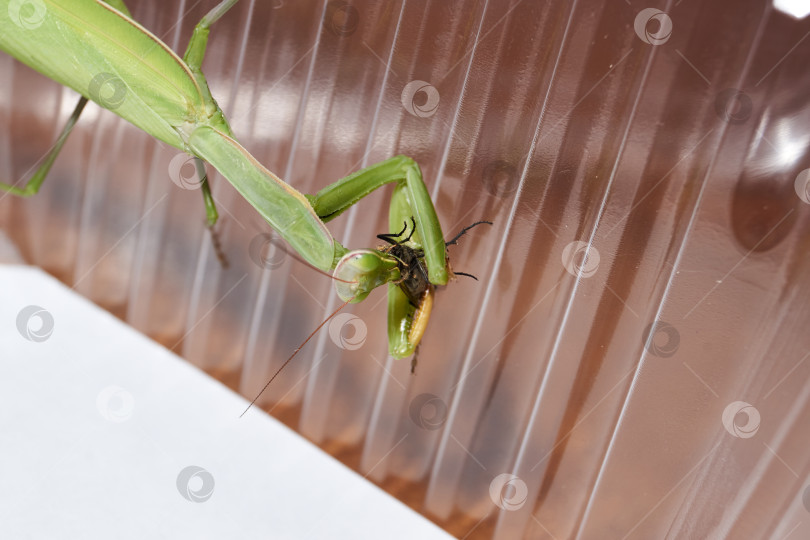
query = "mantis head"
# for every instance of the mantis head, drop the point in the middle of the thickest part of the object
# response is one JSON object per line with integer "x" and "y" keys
{"x": 361, "y": 271}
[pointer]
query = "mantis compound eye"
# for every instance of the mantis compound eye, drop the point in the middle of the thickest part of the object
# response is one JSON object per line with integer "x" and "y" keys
{"x": 360, "y": 272}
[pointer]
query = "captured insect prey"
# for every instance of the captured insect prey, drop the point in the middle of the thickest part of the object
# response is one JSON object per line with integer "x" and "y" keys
{"x": 413, "y": 281}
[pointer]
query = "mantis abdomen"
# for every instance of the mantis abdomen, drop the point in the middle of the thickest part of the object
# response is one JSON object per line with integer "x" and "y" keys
{"x": 110, "y": 59}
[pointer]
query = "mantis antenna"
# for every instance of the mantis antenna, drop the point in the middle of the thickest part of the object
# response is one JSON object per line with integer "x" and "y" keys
{"x": 287, "y": 361}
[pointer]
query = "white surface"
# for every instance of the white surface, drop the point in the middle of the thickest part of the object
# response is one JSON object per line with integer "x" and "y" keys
{"x": 798, "y": 9}
{"x": 97, "y": 422}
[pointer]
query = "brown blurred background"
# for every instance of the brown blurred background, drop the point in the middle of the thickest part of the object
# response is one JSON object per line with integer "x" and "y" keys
{"x": 632, "y": 362}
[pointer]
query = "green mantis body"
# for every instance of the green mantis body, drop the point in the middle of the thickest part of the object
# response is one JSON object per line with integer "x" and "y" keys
{"x": 95, "y": 48}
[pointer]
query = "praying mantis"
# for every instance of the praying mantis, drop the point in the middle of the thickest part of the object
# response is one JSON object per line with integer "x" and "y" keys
{"x": 98, "y": 50}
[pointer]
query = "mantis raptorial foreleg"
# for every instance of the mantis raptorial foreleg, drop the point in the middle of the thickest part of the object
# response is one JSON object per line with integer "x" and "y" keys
{"x": 420, "y": 253}
{"x": 410, "y": 199}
